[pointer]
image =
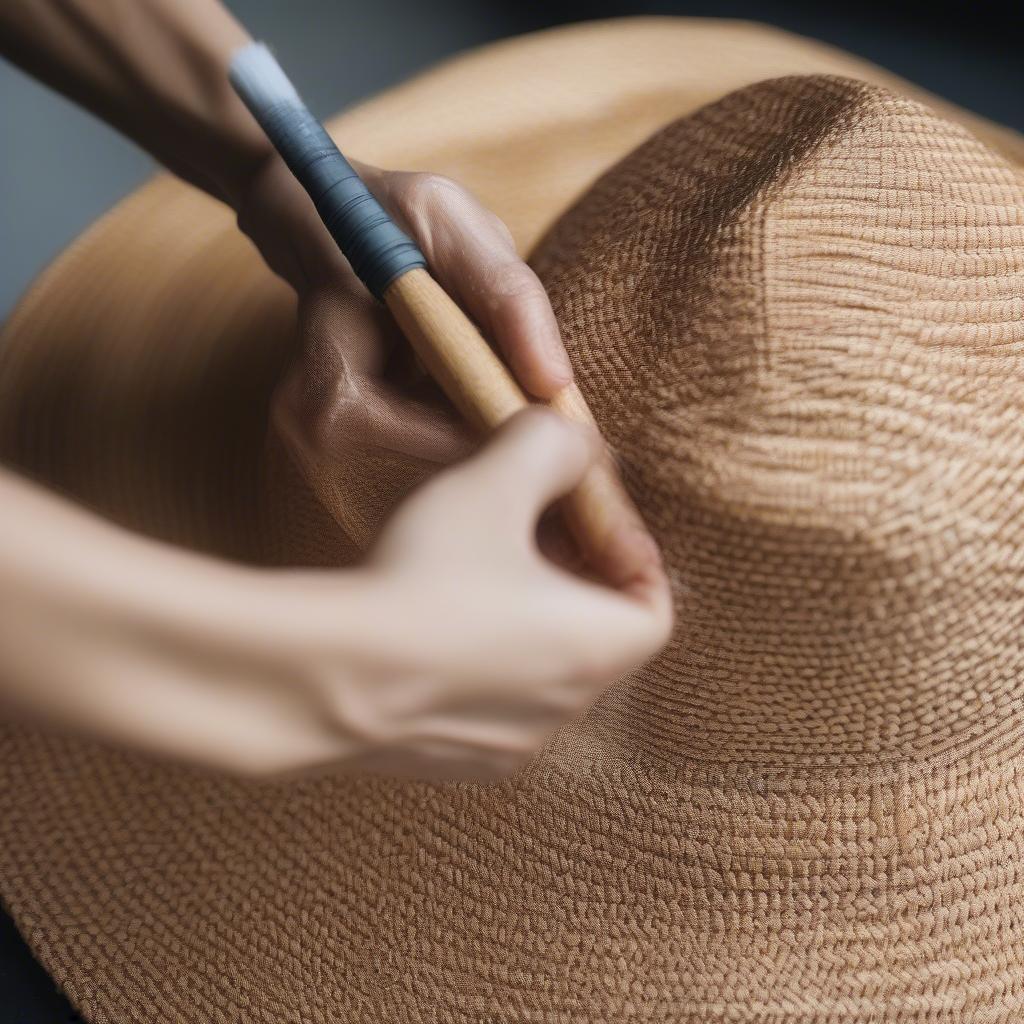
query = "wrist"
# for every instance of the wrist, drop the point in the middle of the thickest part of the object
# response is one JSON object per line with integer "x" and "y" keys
{"x": 191, "y": 117}
{"x": 277, "y": 215}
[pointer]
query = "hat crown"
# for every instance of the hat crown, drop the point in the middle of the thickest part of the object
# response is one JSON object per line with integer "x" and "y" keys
{"x": 799, "y": 316}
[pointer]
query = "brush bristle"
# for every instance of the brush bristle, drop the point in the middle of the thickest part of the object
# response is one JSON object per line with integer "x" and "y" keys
{"x": 259, "y": 79}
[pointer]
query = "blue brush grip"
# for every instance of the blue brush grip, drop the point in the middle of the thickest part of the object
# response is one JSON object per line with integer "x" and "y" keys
{"x": 377, "y": 248}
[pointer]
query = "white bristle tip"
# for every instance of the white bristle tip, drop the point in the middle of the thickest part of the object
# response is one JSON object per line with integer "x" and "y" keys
{"x": 259, "y": 79}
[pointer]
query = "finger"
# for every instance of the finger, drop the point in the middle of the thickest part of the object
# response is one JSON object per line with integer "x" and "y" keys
{"x": 533, "y": 459}
{"x": 631, "y": 561}
{"x": 602, "y": 634}
{"x": 473, "y": 256}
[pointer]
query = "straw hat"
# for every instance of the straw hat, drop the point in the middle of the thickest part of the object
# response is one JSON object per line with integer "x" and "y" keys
{"x": 798, "y": 313}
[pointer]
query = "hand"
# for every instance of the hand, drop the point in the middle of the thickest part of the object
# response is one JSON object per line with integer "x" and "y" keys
{"x": 458, "y": 648}
{"x": 355, "y": 379}
{"x": 493, "y": 646}
{"x": 355, "y": 395}
{"x": 453, "y": 652}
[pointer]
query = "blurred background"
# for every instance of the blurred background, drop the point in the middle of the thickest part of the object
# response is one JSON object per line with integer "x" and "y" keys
{"x": 60, "y": 168}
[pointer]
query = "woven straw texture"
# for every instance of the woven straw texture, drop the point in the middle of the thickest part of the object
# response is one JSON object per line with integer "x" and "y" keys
{"x": 798, "y": 313}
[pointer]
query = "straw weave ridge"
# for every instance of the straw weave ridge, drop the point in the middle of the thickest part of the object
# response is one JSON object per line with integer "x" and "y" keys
{"x": 798, "y": 313}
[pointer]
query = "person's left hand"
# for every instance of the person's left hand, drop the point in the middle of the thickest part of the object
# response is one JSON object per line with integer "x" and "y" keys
{"x": 355, "y": 394}
{"x": 354, "y": 379}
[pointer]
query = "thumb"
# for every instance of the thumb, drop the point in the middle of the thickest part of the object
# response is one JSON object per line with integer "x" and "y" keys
{"x": 533, "y": 459}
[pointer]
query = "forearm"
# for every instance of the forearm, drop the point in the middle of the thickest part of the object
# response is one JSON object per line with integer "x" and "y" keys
{"x": 78, "y": 591}
{"x": 114, "y": 636}
{"x": 154, "y": 69}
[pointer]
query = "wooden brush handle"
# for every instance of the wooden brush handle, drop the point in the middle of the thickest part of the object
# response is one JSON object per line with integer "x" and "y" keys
{"x": 382, "y": 256}
{"x": 485, "y": 392}
{"x": 453, "y": 351}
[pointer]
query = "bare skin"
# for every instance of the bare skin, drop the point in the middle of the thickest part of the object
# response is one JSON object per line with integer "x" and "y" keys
{"x": 456, "y": 648}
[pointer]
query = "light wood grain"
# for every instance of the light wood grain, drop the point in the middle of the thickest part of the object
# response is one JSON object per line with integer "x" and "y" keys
{"x": 453, "y": 351}
{"x": 482, "y": 388}
{"x": 600, "y": 505}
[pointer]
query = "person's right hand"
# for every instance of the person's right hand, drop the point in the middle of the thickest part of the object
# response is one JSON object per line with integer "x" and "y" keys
{"x": 460, "y": 648}
{"x": 454, "y": 651}
{"x": 492, "y": 645}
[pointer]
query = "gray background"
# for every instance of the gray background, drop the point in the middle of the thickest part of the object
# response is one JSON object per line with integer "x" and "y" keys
{"x": 60, "y": 168}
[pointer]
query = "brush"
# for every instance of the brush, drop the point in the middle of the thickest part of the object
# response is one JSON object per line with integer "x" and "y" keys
{"x": 393, "y": 268}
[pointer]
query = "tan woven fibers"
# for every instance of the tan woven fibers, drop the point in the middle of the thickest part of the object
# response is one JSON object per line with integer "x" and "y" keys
{"x": 799, "y": 315}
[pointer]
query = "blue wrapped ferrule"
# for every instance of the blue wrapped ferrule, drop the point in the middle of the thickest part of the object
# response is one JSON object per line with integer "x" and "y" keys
{"x": 378, "y": 250}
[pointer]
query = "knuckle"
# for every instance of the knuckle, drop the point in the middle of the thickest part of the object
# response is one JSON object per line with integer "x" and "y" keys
{"x": 632, "y": 653}
{"x": 427, "y": 193}
{"x": 354, "y": 720}
{"x": 562, "y": 700}
{"x": 649, "y": 636}
{"x": 589, "y": 667}
{"x": 512, "y": 281}
{"x": 572, "y": 671}
{"x": 664, "y": 624}
{"x": 503, "y": 231}
{"x": 453, "y": 488}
